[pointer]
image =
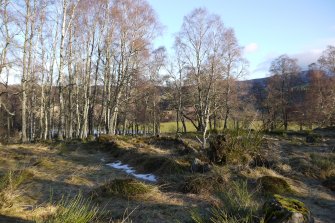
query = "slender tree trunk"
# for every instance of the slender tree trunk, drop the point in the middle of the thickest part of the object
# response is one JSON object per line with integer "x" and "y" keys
{"x": 70, "y": 88}
{"x": 42, "y": 96}
{"x": 78, "y": 119}
{"x": 94, "y": 96}
{"x": 25, "y": 75}
{"x": 61, "y": 119}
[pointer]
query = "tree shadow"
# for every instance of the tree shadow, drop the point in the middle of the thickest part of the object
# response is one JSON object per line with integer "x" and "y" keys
{"x": 150, "y": 211}
{"x": 8, "y": 219}
{"x": 52, "y": 191}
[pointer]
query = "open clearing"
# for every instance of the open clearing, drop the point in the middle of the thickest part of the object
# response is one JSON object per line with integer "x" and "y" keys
{"x": 54, "y": 171}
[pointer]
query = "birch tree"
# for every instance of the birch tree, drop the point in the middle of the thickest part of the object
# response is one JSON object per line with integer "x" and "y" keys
{"x": 284, "y": 72}
{"x": 135, "y": 27}
{"x": 6, "y": 41}
{"x": 209, "y": 52}
{"x": 67, "y": 17}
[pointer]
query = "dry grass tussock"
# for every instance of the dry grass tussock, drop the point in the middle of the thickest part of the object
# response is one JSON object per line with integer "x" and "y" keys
{"x": 9, "y": 187}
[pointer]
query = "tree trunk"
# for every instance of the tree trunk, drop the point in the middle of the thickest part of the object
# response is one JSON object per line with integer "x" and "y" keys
{"x": 60, "y": 73}
{"x": 25, "y": 76}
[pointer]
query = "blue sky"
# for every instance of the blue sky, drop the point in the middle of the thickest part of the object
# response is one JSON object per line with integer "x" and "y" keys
{"x": 266, "y": 28}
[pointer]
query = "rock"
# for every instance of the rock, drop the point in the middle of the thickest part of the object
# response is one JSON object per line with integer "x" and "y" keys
{"x": 198, "y": 166}
{"x": 286, "y": 210}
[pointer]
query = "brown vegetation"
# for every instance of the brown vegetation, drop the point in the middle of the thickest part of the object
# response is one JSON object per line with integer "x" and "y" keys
{"x": 63, "y": 171}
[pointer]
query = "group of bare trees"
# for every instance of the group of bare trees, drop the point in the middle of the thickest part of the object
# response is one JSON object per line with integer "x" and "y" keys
{"x": 79, "y": 62}
{"x": 84, "y": 67}
{"x": 88, "y": 66}
{"x": 304, "y": 98}
{"x": 208, "y": 61}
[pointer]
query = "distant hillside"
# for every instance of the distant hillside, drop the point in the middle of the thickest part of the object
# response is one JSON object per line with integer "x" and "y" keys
{"x": 303, "y": 77}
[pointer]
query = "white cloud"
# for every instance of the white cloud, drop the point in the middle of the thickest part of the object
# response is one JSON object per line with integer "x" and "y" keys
{"x": 304, "y": 59}
{"x": 251, "y": 47}
{"x": 307, "y": 57}
{"x": 262, "y": 68}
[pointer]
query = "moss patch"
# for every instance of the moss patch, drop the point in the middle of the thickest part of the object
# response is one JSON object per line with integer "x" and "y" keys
{"x": 281, "y": 209}
{"x": 292, "y": 204}
{"x": 274, "y": 185}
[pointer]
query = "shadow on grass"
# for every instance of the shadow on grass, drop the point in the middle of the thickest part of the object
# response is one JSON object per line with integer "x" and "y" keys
{"x": 7, "y": 219}
{"x": 51, "y": 191}
{"x": 152, "y": 211}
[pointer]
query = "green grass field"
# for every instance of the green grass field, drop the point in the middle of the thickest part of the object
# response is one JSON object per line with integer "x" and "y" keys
{"x": 171, "y": 127}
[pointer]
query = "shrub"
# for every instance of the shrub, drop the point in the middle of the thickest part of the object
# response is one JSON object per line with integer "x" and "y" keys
{"x": 234, "y": 146}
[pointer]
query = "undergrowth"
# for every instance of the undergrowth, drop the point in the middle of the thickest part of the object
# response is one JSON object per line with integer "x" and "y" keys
{"x": 234, "y": 146}
{"x": 74, "y": 210}
{"x": 238, "y": 205}
{"x": 9, "y": 183}
{"x": 325, "y": 163}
